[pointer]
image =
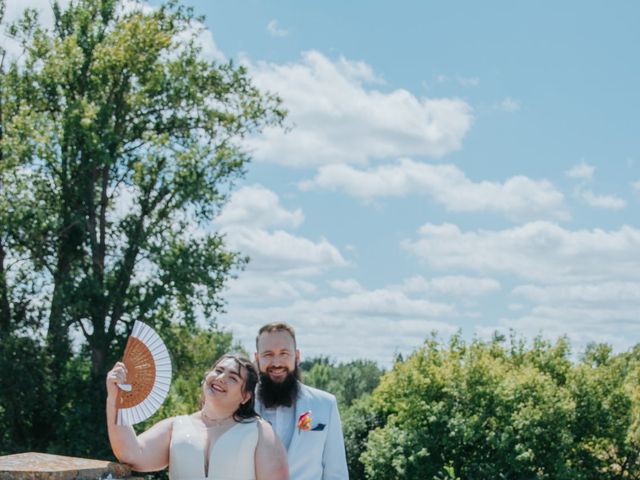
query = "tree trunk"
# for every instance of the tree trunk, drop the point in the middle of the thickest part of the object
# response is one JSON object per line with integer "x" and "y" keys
{"x": 57, "y": 337}
{"x": 99, "y": 354}
{"x": 5, "y": 307}
{"x": 58, "y": 345}
{"x": 97, "y": 394}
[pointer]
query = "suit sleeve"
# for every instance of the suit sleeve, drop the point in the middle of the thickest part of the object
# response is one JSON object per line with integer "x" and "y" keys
{"x": 334, "y": 459}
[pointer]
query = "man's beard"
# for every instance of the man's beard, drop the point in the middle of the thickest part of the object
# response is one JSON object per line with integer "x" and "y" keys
{"x": 275, "y": 394}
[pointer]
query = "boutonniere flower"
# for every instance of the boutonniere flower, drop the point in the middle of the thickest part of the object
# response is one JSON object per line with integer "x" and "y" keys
{"x": 304, "y": 421}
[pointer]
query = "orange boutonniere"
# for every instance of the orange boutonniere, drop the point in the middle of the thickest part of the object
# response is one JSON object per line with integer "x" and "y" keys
{"x": 304, "y": 421}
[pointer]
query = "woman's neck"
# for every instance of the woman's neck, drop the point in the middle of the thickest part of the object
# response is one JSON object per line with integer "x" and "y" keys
{"x": 215, "y": 416}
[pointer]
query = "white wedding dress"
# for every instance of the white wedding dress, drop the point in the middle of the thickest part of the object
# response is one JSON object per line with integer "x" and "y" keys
{"x": 231, "y": 456}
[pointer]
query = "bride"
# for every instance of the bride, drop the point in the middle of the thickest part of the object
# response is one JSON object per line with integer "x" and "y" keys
{"x": 224, "y": 440}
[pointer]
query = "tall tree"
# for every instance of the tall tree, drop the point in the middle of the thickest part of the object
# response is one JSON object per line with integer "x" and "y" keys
{"x": 119, "y": 145}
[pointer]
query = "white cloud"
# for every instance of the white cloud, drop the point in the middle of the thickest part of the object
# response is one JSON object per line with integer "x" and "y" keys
{"x": 509, "y": 105}
{"x": 358, "y": 71}
{"x": 454, "y": 285}
{"x": 257, "y": 206}
{"x": 383, "y": 302}
{"x": 517, "y": 198}
{"x": 636, "y": 186}
{"x": 591, "y": 312}
{"x": 606, "y": 292}
{"x": 467, "y": 81}
{"x": 245, "y": 222}
{"x": 338, "y": 119}
{"x": 459, "y": 79}
{"x": 253, "y": 287}
{"x": 539, "y": 251}
{"x": 514, "y": 307}
{"x": 206, "y": 42}
{"x": 280, "y": 251}
{"x": 275, "y": 30}
{"x": 610, "y": 202}
{"x": 582, "y": 170}
{"x": 346, "y": 286}
{"x": 279, "y": 259}
{"x": 582, "y": 325}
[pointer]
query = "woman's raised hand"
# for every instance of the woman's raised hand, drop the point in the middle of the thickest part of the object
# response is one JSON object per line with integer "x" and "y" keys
{"x": 117, "y": 375}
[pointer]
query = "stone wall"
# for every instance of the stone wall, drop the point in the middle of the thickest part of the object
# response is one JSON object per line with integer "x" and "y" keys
{"x": 42, "y": 466}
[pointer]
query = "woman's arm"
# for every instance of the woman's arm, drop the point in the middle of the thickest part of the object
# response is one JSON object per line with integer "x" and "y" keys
{"x": 271, "y": 457}
{"x": 145, "y": 453}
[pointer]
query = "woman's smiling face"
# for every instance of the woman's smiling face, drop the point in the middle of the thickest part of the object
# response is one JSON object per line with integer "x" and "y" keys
{"x": 225, "y": 383}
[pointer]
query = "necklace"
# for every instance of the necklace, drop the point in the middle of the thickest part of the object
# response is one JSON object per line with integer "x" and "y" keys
{"x": 215, "y": 422}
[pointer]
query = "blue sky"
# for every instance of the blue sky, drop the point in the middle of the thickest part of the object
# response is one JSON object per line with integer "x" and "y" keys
{"x": 517, "y": 214}
{"x": 469, "y": 166}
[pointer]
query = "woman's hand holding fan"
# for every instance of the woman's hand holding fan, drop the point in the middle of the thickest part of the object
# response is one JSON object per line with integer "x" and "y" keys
{"x": 143, "y": 376}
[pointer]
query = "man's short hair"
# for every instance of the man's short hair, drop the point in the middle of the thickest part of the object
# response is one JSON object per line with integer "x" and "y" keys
{"x": 276, "y": 327}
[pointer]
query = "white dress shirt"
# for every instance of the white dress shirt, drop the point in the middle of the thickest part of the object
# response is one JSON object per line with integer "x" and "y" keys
{"x": 283, "y": 421}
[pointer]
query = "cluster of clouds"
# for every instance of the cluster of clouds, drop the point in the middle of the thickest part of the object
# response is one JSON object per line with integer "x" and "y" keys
{"x": 516, "y": 198}
{"x": 584, "y": 172}
{"x": 538, "y": 251}
{"x": 285, "y": 281}
{"x": 584, "y": 283}
{"x": 363, "y": 140}
{"x": 340, "y": 116}
{"x": 254, "y": 222}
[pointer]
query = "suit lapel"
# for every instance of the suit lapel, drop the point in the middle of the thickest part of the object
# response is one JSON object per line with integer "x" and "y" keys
{"x": 303, "y": 404}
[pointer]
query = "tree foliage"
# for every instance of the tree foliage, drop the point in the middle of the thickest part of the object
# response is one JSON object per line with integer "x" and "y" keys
{"x": 492, "y": 410}
{"x": 119, "y": 143}
{"x": 348, "y": 381}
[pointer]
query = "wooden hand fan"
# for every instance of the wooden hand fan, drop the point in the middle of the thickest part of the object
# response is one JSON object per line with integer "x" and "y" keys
{"x": 148, "y": 376}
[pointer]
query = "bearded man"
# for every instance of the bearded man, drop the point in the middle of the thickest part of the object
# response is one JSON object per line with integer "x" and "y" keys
{"x": 306, "y": 419}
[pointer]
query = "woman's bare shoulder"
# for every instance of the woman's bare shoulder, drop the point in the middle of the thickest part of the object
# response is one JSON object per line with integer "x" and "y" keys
{"x": 263, "y": 424}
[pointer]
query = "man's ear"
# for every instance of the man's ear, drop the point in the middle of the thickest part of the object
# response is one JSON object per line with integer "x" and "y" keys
{"x": 297, "y": 357}
{"x": 255, "y": 357}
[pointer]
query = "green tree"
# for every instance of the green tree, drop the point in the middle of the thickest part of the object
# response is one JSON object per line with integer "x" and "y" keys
{"x": 358, "y": 420}
{"x": 118, "y": 146}
{"x": 348, "y": 381}
{"x": 490, "y": 410}
{"x": 606, "y": 389}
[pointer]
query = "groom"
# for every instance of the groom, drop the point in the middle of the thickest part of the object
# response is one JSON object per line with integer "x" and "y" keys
{"x": 306, "y": 419}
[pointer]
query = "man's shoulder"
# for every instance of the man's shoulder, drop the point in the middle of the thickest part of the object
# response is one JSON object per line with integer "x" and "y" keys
{"x": 317, "y": 394}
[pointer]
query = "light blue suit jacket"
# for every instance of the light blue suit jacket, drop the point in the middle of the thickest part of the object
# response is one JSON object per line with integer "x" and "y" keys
{"x": 316, "y": 454}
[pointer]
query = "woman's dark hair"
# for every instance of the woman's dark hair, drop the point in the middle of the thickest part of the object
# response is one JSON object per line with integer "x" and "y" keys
{"x": 247, "y": 409}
